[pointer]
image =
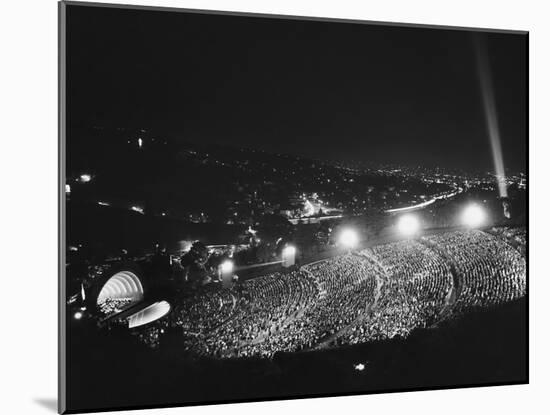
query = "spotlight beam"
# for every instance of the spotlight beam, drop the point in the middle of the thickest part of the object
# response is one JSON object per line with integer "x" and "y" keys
{"x": 489, "y": 106}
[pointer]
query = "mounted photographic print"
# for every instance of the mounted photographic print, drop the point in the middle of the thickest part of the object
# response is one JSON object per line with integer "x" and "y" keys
{"x": 259, "y": 207}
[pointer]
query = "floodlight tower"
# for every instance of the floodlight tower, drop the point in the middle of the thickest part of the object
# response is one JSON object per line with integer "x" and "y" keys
{"x": 349, "y": 239}
{"x": 225, "y": 272}
{"x": 289, "y": 256}
{"x": 473, "y": 216}
{"x": 408, "y": 225}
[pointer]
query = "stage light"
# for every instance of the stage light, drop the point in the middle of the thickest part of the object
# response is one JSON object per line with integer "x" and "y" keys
{"x": 473, "y": 216}
{"x": 226, "y": 267}
{"x": 349, "y": 238}
{"x": 78, "y": 315}
{"x": 408, "y": 225}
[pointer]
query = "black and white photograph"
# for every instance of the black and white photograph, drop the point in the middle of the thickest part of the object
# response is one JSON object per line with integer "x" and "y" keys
{"x": 263, "y": 207}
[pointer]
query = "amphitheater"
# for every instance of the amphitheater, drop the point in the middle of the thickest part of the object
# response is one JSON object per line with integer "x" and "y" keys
{"x": 371, "y": 294}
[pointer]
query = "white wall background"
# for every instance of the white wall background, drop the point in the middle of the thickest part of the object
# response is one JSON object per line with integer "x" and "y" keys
{"x": 28, "y": 211}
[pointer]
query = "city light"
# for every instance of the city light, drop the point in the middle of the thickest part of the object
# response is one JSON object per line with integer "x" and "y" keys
{"x": 309, "y": 208}
{"x": 473, "y": 216}
{"x": 78, "y": 315}
{"x": 226, "y": 267}
{"x": 360, "y": 367}
{"x": 140, "y": 142}
{"x": 408, "y": 225}
{"x": 138, "y": 209}
{"x": 349, "y": 238}
{"x": 85, "y": 178}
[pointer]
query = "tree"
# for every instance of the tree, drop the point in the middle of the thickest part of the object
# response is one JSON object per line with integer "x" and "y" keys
{"x": 305, "y": 238}
{"x": 274, "y": 227}
{"x": 194, "y": 261}
{"x": 264, "y": 252}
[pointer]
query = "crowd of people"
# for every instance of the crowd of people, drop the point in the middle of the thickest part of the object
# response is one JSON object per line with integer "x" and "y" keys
{"x": 416, "y": 283}
{"x": 111, "y": 306}
{"x": 377, "y": 293}
{"x": 258, "y": 307}
{"x": 205, "y": 310}
{"x": 490, "y": 271}
{"x": 347, "y": 290}
{"x": 515, "y": 236}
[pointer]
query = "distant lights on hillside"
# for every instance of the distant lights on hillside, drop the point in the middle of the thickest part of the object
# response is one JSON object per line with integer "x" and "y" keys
{"x": 85, "y": 178}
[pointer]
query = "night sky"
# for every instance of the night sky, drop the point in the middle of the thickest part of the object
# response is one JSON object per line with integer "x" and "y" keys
{"x": 335, "y": 91}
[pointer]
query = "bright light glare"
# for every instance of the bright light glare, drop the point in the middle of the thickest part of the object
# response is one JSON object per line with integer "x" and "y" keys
{"x": 360, "y": 367}
{"x": 489, "y": 104}
{"x": 226, "y": 267}
{"x": 85, "y": 178}
{"x": 78, "y": 315}
{"x": 349, "y": 238}
{"x": 289, "y": 251}
{"x": 288, "y": 256}
{"x": 408, "y": 225}
{"x": 473, "y": 216}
